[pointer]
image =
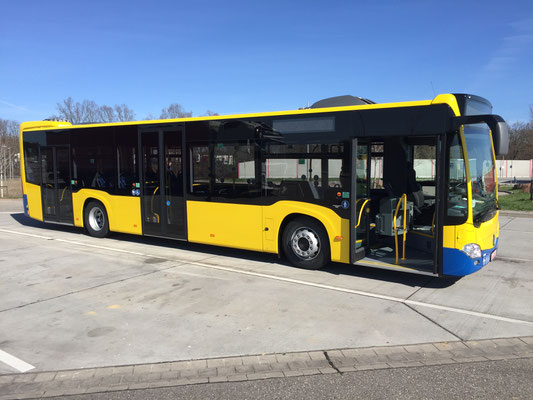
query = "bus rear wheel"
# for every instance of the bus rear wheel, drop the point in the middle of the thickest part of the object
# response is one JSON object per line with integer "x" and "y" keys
{"x": 95, "y": 219}
{"x": 305, "y": 243}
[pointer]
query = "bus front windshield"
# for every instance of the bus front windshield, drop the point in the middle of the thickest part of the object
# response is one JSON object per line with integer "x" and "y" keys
{"x": 482, "y": 171}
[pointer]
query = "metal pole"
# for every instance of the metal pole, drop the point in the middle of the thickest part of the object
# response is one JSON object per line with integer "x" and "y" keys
{"x": 10, "y": 164}
{"x": 2, "y": 172}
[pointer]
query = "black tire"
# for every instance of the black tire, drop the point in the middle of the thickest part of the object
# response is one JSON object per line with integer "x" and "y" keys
{"x": 305, "y": 243}
{"x": 95, "y": 219}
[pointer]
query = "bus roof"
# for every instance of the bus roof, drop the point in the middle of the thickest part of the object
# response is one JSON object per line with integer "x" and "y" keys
{"x": 448, "y": 99}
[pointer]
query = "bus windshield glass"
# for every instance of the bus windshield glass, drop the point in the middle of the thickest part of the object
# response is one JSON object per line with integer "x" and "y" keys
{"x": 482, "y": 171}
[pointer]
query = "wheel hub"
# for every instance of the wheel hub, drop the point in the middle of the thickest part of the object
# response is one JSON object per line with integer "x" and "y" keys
{"x": 305, "y": 243}
{"x": 96, "y": 219}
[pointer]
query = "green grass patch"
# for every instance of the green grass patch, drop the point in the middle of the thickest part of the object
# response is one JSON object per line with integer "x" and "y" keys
{"x": 517, "y": 200}
{"x": 505, "y": 187}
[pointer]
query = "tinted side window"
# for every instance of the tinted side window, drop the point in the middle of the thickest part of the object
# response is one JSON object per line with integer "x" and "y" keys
{"x": 457, "y": 204}
{"x": 200, "y": 160}
{"x": 93, "y": 159}
{"x": 31, "y": 163}
{"x": 126, "y": 155}
{"x": 224, "y": 170}
{"x": 305, "y": 172}
{"x": 235, "y": 171}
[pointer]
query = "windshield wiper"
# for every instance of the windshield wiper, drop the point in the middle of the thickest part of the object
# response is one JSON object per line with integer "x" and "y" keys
{"x": 480, "y": 217}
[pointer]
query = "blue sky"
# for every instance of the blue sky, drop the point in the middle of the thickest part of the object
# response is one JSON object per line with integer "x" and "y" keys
{"x": 245, "y": 56}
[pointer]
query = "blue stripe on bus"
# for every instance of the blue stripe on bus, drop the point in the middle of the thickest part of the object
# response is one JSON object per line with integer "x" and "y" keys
{"x": 457, "y": 263}
{"x": 25, "y": 204}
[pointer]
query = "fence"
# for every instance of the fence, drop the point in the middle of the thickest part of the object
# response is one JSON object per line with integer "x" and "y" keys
{"x": 519, "y": 169}
{"x": 9, "y": 172}
{"x": 425, "y": 168}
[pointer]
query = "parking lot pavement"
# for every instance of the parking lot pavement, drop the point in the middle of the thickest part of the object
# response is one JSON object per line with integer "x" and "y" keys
{"x": 70, "y": 301}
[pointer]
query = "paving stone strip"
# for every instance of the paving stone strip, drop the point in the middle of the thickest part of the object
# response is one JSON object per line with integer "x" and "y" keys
{"x": 263, "y": 366}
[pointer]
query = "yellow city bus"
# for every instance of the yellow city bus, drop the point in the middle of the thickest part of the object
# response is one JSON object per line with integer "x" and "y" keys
{"x": 405, "y": 186}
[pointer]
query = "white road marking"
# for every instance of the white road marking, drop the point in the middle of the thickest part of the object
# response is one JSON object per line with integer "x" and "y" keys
{"x": 295, "y": 281}
{"x": 27, "y": 234}
{"x": 15, "y": 362}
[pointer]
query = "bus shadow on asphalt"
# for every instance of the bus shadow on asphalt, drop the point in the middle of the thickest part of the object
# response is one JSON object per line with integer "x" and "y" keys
{"x": 356, "y": 271}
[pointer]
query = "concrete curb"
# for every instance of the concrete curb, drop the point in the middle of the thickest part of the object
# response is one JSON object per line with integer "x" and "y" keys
{"x": 515, "y": 214}
{"x": 264, "y": 366}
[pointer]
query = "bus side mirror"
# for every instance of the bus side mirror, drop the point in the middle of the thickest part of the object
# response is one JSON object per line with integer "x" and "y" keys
{"x": 500, "y": 137}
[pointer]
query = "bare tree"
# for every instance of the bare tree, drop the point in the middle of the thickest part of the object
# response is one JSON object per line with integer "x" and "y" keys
{"x": 106, "y": 114}
{"x": 520, "y": 141}
{"x": 78, "y": 113}
{"x": 8, "y": 127}
{"x": 9, "y": 148}
{"x": 124, "y": 113}
{"x": 210, "y": 113}
{"x": 88, "y": 111}
{"x": 9, "y": 131}
{"x": 175, "y": 110}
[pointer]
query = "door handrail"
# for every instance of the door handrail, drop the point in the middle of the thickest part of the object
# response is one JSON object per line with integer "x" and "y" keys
{"x": 152, "y": 203}
{"x": 361, "y": 211}
{"x": 404, "y": 198}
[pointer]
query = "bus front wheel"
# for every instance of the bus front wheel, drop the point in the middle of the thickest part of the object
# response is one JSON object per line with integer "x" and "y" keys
{"x": 95, "y": 219}
{"x": 305, "y": 243}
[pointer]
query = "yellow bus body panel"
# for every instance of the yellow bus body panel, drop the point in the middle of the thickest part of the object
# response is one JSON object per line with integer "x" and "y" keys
{"x": 257, "y": 228}
{"x": 455, "y": 237}
{"x": 123, "y": 212}
{"x": 225, "y": 224}
{"x": 33, "y": 193}
{"x": 448, "y": 99}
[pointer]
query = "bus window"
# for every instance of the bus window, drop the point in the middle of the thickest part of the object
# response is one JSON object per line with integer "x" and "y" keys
{"x": 335, "y": 169}
{"x": 235, "y": 174}
{"x": 127, "y": 167}
{"x": 31, "y": 162}
{"x": 376, "y": 166}
{"x": 457, "y": 192}
{"x": 295, "y": 178}
{"x": 200, "y": 184}
{"x": 424, "y": 164}
{"x": 93, "y": 158}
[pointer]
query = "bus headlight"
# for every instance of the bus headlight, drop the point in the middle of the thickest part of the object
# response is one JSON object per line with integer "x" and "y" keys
{"x": 472, "y": 250}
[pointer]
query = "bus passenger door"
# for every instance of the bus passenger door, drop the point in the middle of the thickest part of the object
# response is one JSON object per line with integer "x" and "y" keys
{"x": 360, "y": 201}
{"x": 163, "y": 206}
{"x": 56, "y": 184}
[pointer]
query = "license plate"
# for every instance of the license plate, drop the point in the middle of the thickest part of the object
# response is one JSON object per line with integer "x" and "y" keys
{"x": 493, "y": 255}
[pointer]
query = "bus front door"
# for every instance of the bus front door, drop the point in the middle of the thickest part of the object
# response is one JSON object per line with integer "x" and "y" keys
{"x": 163, "y": 206}
{"x": 56, "y": 186}
{"x": 360, "y": 204}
